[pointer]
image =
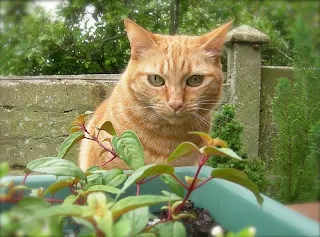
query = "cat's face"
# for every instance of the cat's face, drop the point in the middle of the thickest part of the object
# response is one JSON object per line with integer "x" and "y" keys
{"x": 177, "y": 77}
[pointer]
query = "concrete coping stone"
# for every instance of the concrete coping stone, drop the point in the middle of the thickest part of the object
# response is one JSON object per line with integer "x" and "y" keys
{"x": 245, "y": 33}
{"x": 84, "y": 77}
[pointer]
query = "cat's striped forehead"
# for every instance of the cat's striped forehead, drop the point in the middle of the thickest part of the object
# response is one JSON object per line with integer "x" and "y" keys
{"x": 175, "y": 55}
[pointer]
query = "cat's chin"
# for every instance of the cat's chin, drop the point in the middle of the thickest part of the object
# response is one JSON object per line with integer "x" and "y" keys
{"x": 175, "y": 120}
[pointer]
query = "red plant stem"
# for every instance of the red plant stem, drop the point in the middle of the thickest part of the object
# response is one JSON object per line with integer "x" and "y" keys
{"x": 25, "y": 178}
{"x": 204, "y": 182}
{"x": 15, "y": 200}
{"x": 71, "y": 187}
{"x": 23, "y": 183}
{"x": 108, "y": 161}
{"x": 138, "y": 189}
{"x": 176, "y": 178}
{"x": 192, "y": 187}
{"x": 145, "y": 181}
{"x": 95, "y": 138}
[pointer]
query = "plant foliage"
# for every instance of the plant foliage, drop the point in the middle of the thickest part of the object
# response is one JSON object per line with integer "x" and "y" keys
{"x": 95, "y": 204}
{"x": 296, "y": 114}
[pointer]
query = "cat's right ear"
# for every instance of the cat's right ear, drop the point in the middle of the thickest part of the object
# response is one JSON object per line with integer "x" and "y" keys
{"x": 140, "y": 39}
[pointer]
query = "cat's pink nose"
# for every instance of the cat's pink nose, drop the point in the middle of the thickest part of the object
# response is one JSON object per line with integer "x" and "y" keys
{"x": 175, "y": 104}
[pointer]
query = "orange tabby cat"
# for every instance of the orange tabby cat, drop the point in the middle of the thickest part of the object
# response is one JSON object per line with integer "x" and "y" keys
{"x": 169, "y": 88}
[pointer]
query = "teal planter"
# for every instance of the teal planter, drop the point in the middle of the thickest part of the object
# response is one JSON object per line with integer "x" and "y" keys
{"x": 231, "y": 205}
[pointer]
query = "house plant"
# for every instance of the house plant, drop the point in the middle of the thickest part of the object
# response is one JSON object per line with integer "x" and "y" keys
{"x": 94, "y": 200}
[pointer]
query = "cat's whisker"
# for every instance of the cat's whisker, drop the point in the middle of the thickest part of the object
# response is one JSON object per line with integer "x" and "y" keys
{"x": 208, "y": 103}
{"x": 197, "y": 123}
{"x": 204, "y": 109}
{"x": 202, "y": 119}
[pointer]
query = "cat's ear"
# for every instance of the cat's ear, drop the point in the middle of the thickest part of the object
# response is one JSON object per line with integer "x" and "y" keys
{"x": 213, "y": 41}
{"x": 140, "y": 39}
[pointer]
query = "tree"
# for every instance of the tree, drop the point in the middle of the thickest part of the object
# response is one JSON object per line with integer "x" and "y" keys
{"x": 296, "y": 114}
{"x": 89, "y": 37}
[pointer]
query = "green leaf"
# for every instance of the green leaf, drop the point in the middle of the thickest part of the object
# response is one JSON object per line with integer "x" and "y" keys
{"x": 31, "y": 202}
{"x": 18, "y": 188}
{"x": 86, "y": 232}
{"x": 145, "y": 171}
{"x": 183, "y": 149}
{"x": 117, "y": 180}
{"x": 129, "y": 148}
{"x": 4, "y": 169}
{"x": 209, "y": 141}
{"x": 106, "y": 223}
{"x": 103, "y": 188}
{"x": 55, "y": 166}
{"x": 137, "y": 218}
{"x": 58, "y": 185}
{"x": 146, "y": 235}
{"x": 174, "y": 185}
{"x": 171, "y": 229}
{"x": 130, "y": 203}
{"x": 215, "y": 151}
{"x": 108, "y": 127}
{"x": 60, "y": 210}
{"x": 238, "y": 177}
{"x": 75, "y": 126}
{"x": 84, "y": 222}
{"x": 121, "y": 228}
{"x": 69, "y": 142}
{"x": 110, "y": 175}
{"x": 71, "y": 199}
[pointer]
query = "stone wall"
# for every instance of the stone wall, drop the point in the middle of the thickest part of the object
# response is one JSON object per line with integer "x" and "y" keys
{"x": 269, "y": 80}
{"x": 35, "y": 112}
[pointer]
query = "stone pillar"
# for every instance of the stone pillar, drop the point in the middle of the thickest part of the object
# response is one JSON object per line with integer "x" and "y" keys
{"x": 244, "y": 75}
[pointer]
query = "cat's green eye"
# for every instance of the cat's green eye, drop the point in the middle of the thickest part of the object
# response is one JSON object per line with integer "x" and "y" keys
{"x": 195, "y": 80}
{"x": 156, "y": 80}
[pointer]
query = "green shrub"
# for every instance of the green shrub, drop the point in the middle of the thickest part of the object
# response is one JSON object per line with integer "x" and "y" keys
{"x": 296, "y": 113}
{"x": 227, "y": 128}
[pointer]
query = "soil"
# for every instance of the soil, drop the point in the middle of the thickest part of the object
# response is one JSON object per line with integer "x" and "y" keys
{"x": 201, "y": 226}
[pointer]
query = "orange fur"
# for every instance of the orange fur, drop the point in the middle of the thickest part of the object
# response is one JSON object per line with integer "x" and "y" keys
{"x": 161, "y": 116}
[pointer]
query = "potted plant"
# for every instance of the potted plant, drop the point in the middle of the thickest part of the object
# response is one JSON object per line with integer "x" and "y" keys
{"x": 116, "y": 202}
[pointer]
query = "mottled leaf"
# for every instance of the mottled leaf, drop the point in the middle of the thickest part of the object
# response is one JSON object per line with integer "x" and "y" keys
{"x": 69, "y": 142}
{"x": 108, "y": 127}
{"x": 129, "y": 148}
{"x": 145, "y": 171}
{"x": 209, "y": 141}
{"x": 103, "y": 188}
{"x": 171, "y": 229}
{"x": 130, "y": 203}
{"x": 215, "y": 151}
{"x": 58, "y": 185}
{"x": 137, "y": 218}
{"x": 55, "y": 166}
{"x": 184, "y": 148}
{"x": 173, "y": 184}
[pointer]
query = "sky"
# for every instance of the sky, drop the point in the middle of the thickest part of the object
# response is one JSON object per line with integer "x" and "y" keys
{"x": 48, "y": 5}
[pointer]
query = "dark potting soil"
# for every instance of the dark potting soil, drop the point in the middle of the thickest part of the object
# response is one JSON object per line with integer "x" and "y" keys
{"x": 200, "y": 226}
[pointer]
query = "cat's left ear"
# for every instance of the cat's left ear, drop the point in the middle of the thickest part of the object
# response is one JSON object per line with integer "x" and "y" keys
{"x": 213, "y": 41}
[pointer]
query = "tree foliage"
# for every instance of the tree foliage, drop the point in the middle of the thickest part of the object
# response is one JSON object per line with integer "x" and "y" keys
{"x": 87, "y": 36}
{"x": 296, "y": 112}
